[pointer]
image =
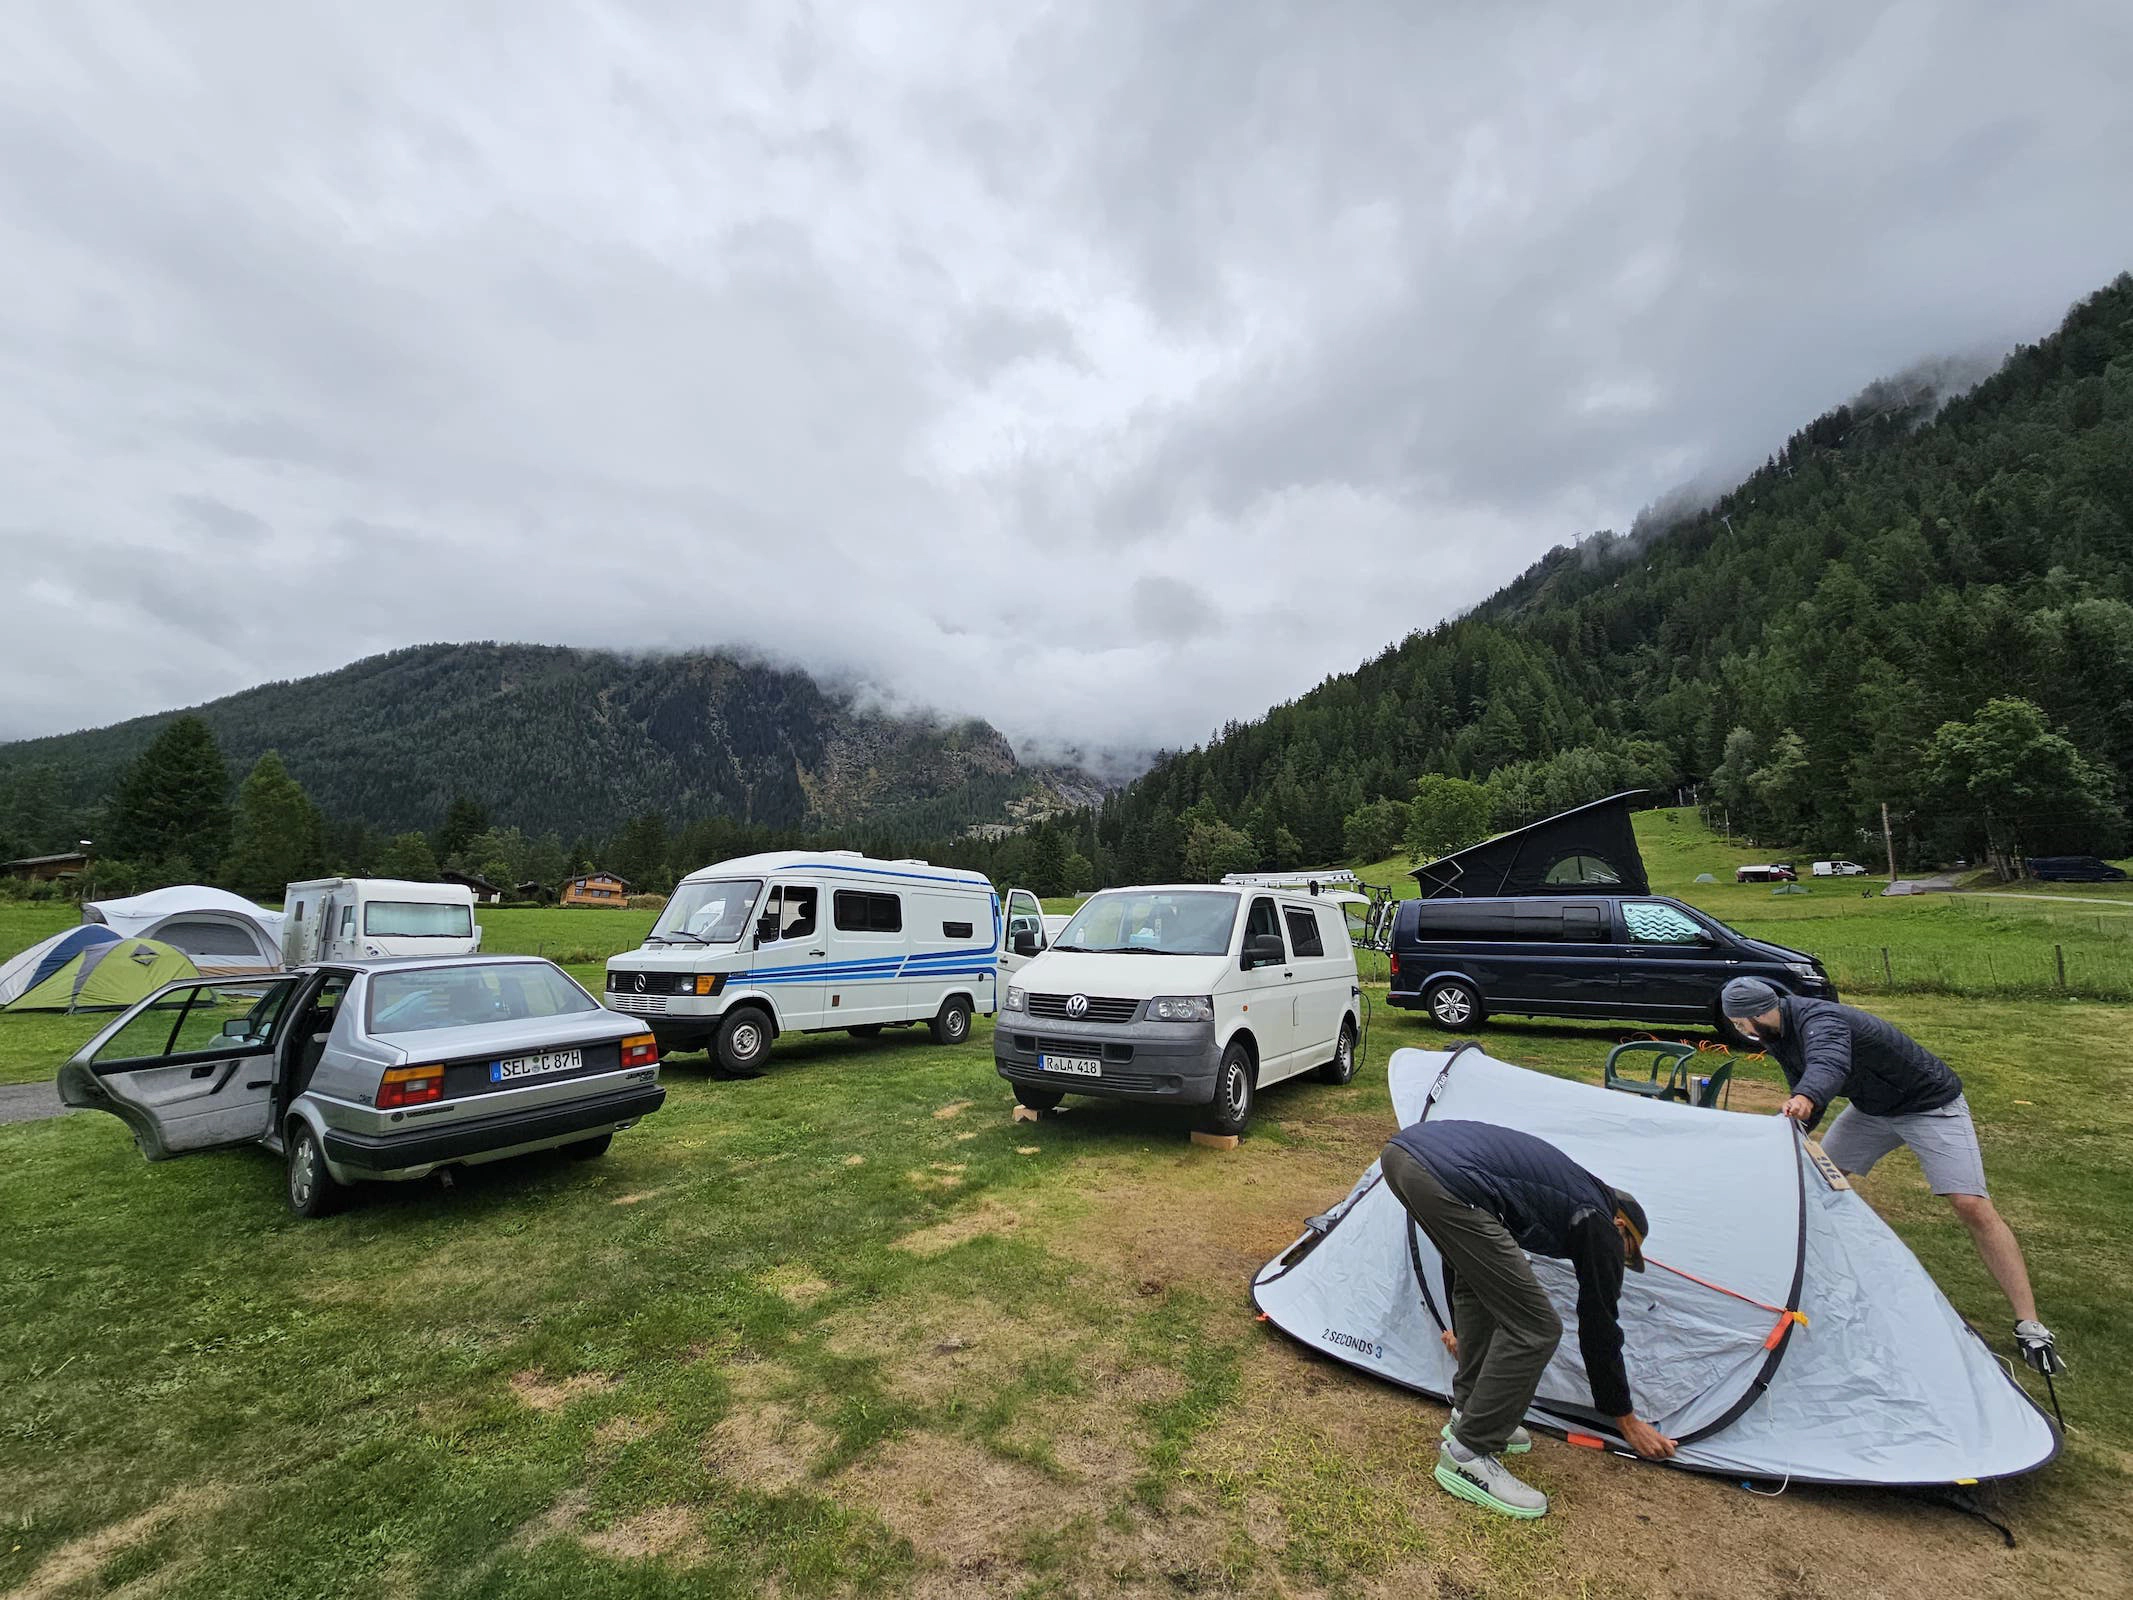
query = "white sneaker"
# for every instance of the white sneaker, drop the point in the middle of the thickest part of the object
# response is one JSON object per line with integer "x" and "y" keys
{"x": 1487, "y": 1482}
{"x": 1521, "y": 1441}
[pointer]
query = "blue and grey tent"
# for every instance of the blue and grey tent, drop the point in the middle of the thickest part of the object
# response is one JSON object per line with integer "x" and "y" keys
{"x": 1781, "y": 1329}
{"x": 24, "y": 972}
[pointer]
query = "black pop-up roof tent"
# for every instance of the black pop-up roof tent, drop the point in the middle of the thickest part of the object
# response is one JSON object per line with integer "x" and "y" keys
{"x": 1586, "y": 847}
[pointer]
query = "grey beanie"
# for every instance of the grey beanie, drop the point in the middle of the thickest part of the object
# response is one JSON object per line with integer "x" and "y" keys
{"x": 1747, "y": 997}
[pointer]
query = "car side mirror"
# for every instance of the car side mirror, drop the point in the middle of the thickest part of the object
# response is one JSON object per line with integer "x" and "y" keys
{"x": 1262, "y": 950}
{"x": 1025, "y": 944}
{"x": 236, "y": 1028}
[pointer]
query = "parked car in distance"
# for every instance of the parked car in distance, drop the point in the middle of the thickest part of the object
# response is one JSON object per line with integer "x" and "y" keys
{"x": 1638, "y": 958}
{"x": 1838, "y": 869}
{"x": 1183, "y": 994}
{"x": 821, "y": 941}
{"x": 379, "y": 1070}
{"x": 2074, "y": 869}
{"x": 1766, "y": 872}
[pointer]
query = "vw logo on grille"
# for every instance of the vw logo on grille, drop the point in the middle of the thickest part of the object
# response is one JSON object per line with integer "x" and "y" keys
{"x": 1078, "y": 1007}
{"x": 640, "y": 983}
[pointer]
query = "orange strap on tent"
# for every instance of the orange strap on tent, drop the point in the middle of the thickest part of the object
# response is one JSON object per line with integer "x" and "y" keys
{"x": 1784, "y": 1315}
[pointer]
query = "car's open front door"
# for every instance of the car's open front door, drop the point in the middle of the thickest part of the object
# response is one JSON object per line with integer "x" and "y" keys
{"x": 1025, "y": 938}
{"x": 189, "y": 1068}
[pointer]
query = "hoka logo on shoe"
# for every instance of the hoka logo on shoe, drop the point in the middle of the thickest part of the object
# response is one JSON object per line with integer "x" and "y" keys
{"x": 1355, "y": 1342}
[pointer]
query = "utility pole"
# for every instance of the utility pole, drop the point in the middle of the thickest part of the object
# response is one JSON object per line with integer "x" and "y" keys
{"x": 1888, "y": 839}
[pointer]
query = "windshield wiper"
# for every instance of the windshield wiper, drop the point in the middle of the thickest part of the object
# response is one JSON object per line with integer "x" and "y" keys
{"x": 685, "y": 933}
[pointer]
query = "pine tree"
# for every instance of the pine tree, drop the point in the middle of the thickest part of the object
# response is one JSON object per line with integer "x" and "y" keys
{"x": 408, "y": 856}
{"x": 277, "y": 833}
{"x": 463, "y": 819}
{"x": 173, "y": 803}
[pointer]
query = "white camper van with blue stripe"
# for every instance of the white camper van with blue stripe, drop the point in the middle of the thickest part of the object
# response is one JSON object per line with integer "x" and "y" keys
{"x": 817, "y": 941}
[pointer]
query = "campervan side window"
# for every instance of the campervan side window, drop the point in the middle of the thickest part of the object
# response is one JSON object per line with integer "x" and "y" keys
{"x": 858, "y": 912}
{"x": 958, "y": 930}
{"x": 416, "y": 919}
{"x": 1303, "y": 932}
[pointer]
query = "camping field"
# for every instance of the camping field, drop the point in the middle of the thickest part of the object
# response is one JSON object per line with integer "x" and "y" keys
{"x": 848, "y": 1329}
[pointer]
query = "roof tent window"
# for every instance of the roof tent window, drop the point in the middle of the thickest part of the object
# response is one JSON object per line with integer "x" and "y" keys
{"x": 1583, "y": 869}
{"x": 858, "y": 912}
{"x": 1650, "y": 922}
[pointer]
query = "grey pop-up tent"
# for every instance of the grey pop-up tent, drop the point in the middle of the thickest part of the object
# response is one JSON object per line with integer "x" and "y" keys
{"x": 1781, "y": 1330}
{"x": 1585, "y": 848}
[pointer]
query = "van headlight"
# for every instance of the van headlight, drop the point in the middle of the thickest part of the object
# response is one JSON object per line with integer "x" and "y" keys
{"x": 1014, "y": 999}
{"x": 1181, "y": 1008}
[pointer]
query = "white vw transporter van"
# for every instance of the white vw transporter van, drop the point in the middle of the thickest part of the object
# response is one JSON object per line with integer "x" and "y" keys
{"x": 811, "y": 941}
{"x": 1187, "y": 994}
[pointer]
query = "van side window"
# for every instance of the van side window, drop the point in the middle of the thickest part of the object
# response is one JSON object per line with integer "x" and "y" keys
{"x": 1263, "y": 920}
{"x": 348, "y": 922}
{"x": 858, "y": 912}
{"x": 789, "y": 913}
{"x": 958, "y": 930}
{"x": 1649, "y": 922}
{"x": 1584, "y": 925}
{"x": 1303, "y": 931}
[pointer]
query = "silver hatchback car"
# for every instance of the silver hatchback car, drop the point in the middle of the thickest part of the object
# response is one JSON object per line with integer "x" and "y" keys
{"x": 372, "y": 1070}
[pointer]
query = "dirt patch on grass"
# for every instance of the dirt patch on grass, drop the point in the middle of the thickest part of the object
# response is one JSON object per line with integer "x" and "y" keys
{"x": 636, "y": 1199}
{"x": 794, "y": 1284}
{"x": 557, "y": 1522}
{"x": 536, "y": 1389}
{"x": 987, "y": 1219}
{"x": 962, "y": 1507}
{"x": 661, "y": 1531}
{"x": 855, "y": 1161}
{"x": 940, "y": 1175}
{"x": 764, "y": 1446}
{"x": 616, "y": 1432}
{"x": 953, "y": 1109}
{"x": 78, "y": 1560}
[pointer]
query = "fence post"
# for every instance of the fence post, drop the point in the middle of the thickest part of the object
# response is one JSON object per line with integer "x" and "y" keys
{"x": 2059, "y": 952}
{"x": 1888, "y": 974}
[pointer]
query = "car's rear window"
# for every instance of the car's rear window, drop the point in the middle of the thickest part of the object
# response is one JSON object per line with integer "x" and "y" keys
{"x": 466, "y": 997}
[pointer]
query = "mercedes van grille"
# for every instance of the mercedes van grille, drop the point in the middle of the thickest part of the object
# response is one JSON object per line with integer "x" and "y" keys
{"x": 1101, "y": 1008}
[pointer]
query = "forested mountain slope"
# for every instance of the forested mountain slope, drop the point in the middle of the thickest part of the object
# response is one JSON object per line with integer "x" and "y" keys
{"x": 577, "y": 741}
{"x": 1794, "y": 648}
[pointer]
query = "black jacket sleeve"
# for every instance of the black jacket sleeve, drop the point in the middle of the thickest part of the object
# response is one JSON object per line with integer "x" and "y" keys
{"x": 1596, "y": 1255}
{"x": 1825, "y": 1059}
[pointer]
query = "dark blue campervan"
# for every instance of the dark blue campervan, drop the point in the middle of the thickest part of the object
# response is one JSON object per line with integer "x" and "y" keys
{"x": 1640, "y": 958}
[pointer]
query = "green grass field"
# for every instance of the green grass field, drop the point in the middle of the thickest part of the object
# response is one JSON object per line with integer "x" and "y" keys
{"x": 848, "y": 1329}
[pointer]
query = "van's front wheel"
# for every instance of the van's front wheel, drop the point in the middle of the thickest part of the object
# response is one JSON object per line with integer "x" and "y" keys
{"x": 1452, "y": 1004}
{"x": 743, "y": 1041}
{"x": 1231, "y": 1108}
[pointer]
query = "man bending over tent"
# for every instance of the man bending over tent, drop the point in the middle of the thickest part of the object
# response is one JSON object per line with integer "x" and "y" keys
{"x": 1485, "y": 1195}
{"x": 1901, "y": 1093}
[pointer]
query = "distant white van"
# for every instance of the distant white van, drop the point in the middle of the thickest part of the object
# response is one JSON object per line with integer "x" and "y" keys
{"x": 349, "y": 919}
{"x": 1184, "y": 994}
{"x": 817, "y": 941}
{"x": 1839, "y": 869}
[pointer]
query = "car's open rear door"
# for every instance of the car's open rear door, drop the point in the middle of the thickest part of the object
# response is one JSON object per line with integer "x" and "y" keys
{"x": 189, "y": 1068}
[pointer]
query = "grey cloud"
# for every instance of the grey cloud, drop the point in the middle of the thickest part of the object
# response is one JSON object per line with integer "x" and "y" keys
{"x": 1042, "y": 367}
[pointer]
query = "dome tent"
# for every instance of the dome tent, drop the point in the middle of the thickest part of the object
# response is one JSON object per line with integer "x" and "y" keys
{"x": 107, "y": 977}
{"x": 1782, "y": 1330}
{"x": 224, "y": 934}
{"x": 31, "y": 967}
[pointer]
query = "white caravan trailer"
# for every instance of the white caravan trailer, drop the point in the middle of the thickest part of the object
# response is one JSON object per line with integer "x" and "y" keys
{"x": 346, "y": 919}
{"x": 815, "y": 941}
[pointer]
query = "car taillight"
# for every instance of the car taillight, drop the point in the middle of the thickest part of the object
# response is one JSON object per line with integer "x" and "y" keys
{"x": 411, "y": 1086}
{"x": 1392, "y": 962}
{"x": 640, "y": 1050}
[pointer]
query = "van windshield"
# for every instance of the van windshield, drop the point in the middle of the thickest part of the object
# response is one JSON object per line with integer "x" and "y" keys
{"x": 1169, "y": 922}
{"x": 714, "y": 912}
{"x": 417, "y": 919}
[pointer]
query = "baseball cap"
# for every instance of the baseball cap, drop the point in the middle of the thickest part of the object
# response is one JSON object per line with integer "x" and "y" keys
{"x": 1633, "y": 1248}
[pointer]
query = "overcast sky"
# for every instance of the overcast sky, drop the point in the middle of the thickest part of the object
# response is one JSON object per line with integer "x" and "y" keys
{"x": 1105, "y": 370}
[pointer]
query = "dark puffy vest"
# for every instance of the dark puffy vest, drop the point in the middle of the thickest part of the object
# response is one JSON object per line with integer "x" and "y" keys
{"x": 1527, "y": 1184}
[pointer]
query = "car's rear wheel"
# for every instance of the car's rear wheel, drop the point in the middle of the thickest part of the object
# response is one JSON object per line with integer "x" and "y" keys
{"x": 311, "y": 1190}
{"x": 589, "y": 1149}
{"x": 951, "y": 1025}
{"x": 1452, "y": 1003}
{"x": 1037, "y": 1099}
{"x": 1231, "y": 1108}
{"x": 1341, "y": 1069}
{"x": 743, "y": 1041}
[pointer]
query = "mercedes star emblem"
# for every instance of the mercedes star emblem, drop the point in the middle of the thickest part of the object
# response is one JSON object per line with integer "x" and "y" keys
{"x": 640, "y": 983}
{"x": 1078, "y": 1007}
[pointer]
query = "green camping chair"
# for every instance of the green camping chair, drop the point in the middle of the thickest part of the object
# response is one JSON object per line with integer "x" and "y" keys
{"x": 1712, "y": 1093}
{"x": 1674, "y": 1057}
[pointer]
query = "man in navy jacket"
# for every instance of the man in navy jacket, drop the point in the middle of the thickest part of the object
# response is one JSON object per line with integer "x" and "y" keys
{"x": 1486, "y": 1195}
{"x": 1901, "y": 1093}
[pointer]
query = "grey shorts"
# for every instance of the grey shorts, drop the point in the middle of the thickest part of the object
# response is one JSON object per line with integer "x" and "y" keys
{"x": 1944, "y": 1141}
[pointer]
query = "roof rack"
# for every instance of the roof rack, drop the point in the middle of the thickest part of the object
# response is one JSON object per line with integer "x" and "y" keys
{"x": 1308, "y": 881}
{"x": 1376, "y": 930}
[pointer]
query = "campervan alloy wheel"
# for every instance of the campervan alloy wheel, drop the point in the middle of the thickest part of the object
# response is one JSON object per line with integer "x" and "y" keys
{"x": 1341, "y": 1069}
{"x": 1452, "y": 1004}
{"x": 1231, "y": 1108}
{"x": 952, "y": 1025}
{"x": 312, "y": 1191}
{"x": 743, "y": 1041}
